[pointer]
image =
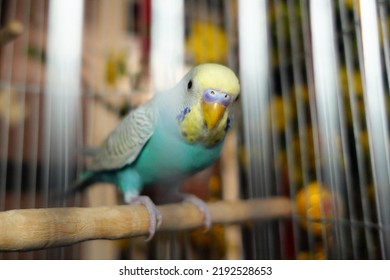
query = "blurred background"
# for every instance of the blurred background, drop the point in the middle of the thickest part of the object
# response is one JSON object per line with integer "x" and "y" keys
{"x": 312, "y": 123}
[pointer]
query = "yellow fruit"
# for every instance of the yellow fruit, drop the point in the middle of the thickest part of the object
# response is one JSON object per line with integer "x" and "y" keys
{"x": 315, "y": 206}
{"x": 207, "y": 43}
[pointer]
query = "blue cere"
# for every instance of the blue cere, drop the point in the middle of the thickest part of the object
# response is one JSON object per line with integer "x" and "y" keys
{"x": 213, "y": 95}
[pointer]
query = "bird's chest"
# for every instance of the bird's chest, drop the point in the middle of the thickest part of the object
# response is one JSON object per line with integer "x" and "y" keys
{"x": 166, "y": 157}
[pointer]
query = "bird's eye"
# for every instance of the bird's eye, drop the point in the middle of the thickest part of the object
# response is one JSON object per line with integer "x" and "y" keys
{"x": 226, "y": 96}
{"x": 189, "y": 85}
{"x": 212, "y": 92}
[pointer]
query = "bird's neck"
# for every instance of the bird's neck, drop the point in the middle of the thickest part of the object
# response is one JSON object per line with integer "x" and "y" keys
{"x": 194, "y": 130}
{"x": 187, "y": 122}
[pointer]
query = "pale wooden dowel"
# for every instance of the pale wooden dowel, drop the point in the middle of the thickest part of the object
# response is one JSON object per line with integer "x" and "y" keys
{"x": 10, "y": 32}
{"x": 29, "y": 229}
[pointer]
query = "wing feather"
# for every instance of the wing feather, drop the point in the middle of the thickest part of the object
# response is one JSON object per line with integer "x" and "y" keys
{"x": 126, "y": 141}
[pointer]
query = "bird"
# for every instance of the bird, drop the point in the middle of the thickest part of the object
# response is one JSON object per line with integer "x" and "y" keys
{"x": 174, "y": 135}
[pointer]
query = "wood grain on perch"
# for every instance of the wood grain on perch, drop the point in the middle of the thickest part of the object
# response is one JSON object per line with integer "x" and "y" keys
{"x": 29, "y": 229}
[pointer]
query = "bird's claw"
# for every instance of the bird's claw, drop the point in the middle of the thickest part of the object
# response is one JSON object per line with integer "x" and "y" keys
{"x": 202, "y": 206}
{"x": 154, "y": 214}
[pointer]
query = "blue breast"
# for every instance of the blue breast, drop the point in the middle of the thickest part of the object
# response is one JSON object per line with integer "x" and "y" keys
{"x": 167, "y": 157}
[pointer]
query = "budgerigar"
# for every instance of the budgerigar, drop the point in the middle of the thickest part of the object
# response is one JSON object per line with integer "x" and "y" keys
{"x": 172, "y": 136}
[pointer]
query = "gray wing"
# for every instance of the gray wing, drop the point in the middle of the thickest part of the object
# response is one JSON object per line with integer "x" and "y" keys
{"x": 126, "y": 141}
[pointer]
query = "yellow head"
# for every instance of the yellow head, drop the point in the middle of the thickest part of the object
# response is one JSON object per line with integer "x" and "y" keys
{"x": 210, "y": 91}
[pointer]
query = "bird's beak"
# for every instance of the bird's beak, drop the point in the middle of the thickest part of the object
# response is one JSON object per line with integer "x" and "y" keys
{"x": 212, "y": 113}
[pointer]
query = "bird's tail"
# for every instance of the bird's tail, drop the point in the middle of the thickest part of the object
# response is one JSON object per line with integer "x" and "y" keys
{"x": 86, "y": 179}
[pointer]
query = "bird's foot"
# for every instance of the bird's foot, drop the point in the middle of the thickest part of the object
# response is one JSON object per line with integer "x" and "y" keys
{"x": 154, "y": 213}
{"x": 202, "y": 206}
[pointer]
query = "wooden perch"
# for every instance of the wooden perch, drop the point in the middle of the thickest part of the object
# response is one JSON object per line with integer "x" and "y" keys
{"x": 9, "y": 32}
{"x": 29, "y": 229}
